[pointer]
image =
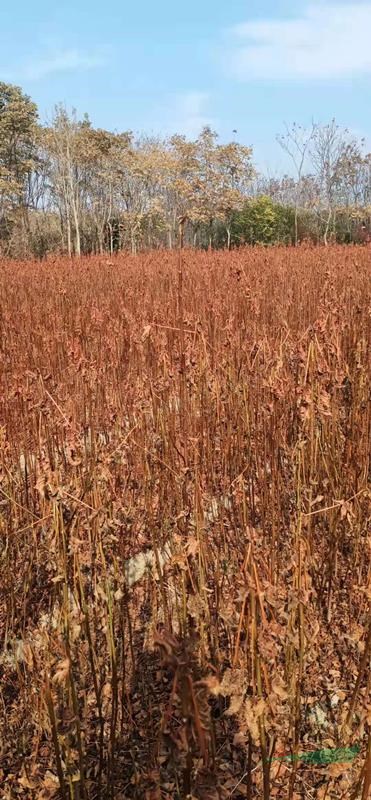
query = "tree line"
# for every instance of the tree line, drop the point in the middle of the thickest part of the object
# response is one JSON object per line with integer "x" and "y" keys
{"x": 67, "y": 187}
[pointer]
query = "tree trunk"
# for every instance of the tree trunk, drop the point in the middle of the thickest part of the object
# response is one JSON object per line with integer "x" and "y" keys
{"x": 68, "y": 216}
{"x": 100, "y": 242}
{"x": 296, "y": 226}
{"x": 77, "y": 229}
{"x": 211, "y": 234}
{"x": 68, "y": 231}
{"x": 133, "y": 243}
{"x": 334, "y": 227}
{"x": 325, "y": 237}
{"x": 228, "y": 237}
{"x": 73, "y": 204}
{"x": 110, "y": 238}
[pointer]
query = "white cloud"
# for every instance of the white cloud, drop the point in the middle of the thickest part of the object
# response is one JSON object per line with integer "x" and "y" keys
{"x": 190, "y": 113}
{"x": 62, "y": 62}
{"x": 71, "y": 60}
{"x": 326, "y": 42}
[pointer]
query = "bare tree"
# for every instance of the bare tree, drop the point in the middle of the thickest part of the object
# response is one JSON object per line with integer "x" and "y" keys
{"x": 296, "y": 142}
{"x": 62, "y": 141}
{"x": 334, "y": 155}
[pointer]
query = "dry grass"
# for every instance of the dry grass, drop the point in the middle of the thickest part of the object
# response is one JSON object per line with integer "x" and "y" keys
{"x": 217, "y": 417}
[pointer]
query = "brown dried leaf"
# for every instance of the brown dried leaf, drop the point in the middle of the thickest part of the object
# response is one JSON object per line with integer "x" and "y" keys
{"x": 62, "y": 672}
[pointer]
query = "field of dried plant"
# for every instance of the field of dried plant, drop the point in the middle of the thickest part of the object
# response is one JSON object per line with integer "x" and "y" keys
{"x": 184, "y": 526}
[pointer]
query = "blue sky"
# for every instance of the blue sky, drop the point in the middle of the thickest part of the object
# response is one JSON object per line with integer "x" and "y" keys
{"x": 162, "y": 67}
